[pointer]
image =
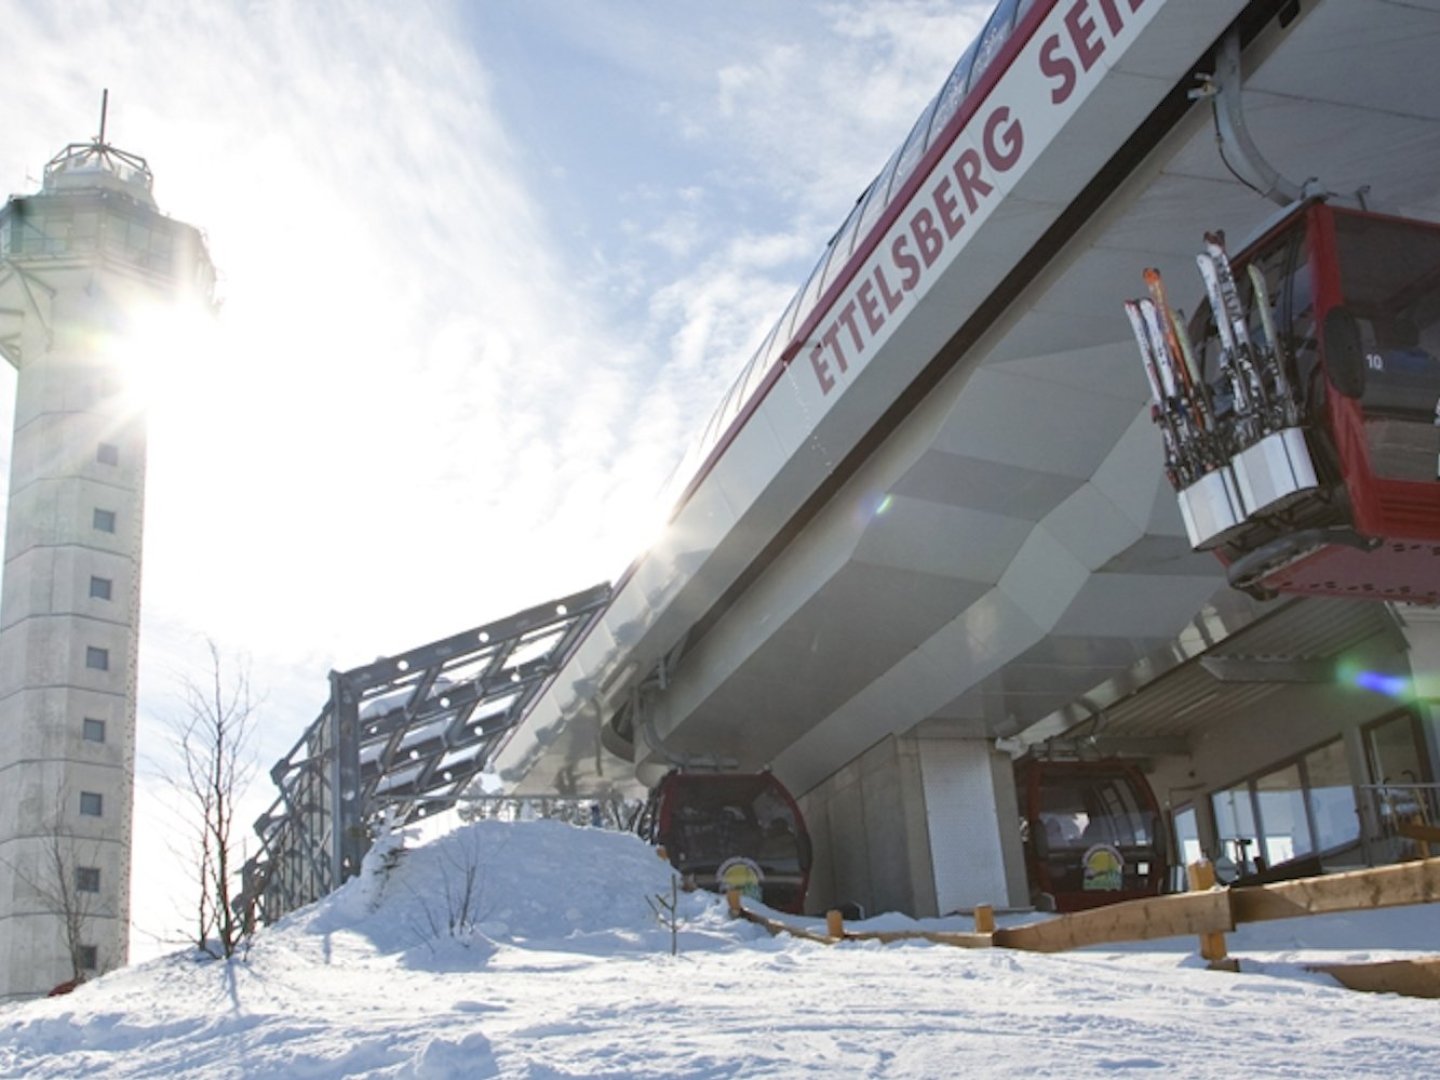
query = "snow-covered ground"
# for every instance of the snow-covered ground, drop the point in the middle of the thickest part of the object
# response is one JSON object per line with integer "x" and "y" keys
{"x": 559, "y": 969}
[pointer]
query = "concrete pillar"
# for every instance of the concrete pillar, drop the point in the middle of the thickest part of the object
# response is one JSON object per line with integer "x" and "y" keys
{"x": 867, "y": 821}
{"x": 921, "y": 826}
{"x": 973, "y": 824}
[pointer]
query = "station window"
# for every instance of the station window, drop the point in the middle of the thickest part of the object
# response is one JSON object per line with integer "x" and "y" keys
{"x": 97, "y": 659}
{"x": 87, "y": 879}
{"x": 992, "y": 39}
{"x": 89, "y": 957}
{"x": 1394, "y": 747}
{"x": 104, "y": 520}
{"x": 1332, "y": 797}
{"x": 101, "y": 588}
{"x": 1399, "y": 791}
{"x": 1304, "y": 806}
{"x": 107, "y": 454}
{"x": 1234, "y": 827}
{"x": 93, "y": 730}
{"x": 953, "y": 93}
{"x": 92, "y": 804}
{"x": 1187, "y": 846}
{"x": 1284, "y": 822}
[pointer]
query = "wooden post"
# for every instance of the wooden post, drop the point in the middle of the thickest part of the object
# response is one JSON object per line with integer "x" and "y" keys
{"x": 732, "y": 897}
{"x": 1212, "y": 942}
{"x": 984, "y": 919}
{"x": 834, "y": 924}
{"x": 1422, "y": 841}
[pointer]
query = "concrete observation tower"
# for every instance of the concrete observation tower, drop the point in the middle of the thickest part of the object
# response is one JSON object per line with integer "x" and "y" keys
{"x": 79, "y": 262}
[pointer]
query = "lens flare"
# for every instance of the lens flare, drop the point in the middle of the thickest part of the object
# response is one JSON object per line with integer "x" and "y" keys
{"x": 1377, "y": 682}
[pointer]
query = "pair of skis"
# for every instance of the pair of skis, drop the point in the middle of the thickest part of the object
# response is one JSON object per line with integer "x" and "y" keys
{"x": 1197, "y": 441}
{"x": 1266, "y": 405}
{"x": 1262, "y": 405}
{"x": 1180, "y": 404}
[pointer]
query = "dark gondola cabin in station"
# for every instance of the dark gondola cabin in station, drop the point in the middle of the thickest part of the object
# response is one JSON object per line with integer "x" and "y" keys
{"x": 732, "y": 831}
{"x": 1093, "y": 833}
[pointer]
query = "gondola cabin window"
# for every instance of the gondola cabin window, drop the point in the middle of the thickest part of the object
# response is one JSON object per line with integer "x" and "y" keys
{"x": 1390, "y": 283}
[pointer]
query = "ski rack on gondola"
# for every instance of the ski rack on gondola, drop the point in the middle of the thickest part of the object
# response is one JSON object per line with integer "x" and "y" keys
{"x": 1228, "y": 465}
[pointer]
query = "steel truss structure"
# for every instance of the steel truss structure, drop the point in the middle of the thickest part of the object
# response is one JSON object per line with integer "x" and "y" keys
{"x": 401, "y": 738}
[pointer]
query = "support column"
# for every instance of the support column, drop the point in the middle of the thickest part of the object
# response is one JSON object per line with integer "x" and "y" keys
{"x": 973, "y": 824}
{"x": 1421, "y": 626}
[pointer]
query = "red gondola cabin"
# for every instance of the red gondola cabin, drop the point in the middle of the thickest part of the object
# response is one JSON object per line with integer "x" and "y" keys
{"x": 726, "y": 831}
{"x": 1093, "y": 833}
{"x": 1348, "y": 501}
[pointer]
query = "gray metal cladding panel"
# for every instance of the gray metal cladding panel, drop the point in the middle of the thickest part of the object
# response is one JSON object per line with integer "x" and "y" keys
{"x": 935, "y": 538}
{"x": 853, "y": 630}
{"x": 1105, "y": 367}
{"x": 1319, "y": 60}
{"x": 1153, "y": 555}
{"x": 1085, "y": 652}
{"x": 1031, "y": 423}
{"x": 1136, "y": 605}
{"x": 979, "y": 484}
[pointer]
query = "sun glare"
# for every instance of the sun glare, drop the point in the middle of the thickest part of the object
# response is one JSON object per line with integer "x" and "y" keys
{"x": 164, "y": 351}
{"x": 631, "y": 535}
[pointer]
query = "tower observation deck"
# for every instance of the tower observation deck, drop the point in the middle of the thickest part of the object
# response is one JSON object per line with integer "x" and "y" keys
{"x": 77, "y": 261}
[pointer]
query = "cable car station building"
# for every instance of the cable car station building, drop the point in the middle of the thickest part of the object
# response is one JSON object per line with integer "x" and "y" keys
{"x": 942, "y": 524}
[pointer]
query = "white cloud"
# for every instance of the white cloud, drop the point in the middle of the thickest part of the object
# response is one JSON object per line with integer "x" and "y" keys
{"x": 816, "y": 118}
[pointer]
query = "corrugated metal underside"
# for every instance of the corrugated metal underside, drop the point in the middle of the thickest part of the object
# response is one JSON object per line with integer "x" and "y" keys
{"x": 1304, "y": 642}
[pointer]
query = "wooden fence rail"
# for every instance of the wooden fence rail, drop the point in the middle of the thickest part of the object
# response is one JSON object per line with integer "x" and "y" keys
{"x": 1209, "y": 913}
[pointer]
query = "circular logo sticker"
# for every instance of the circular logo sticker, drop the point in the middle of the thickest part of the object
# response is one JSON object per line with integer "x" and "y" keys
{"x": 741, "y": 874}
{"x": 1104, "y": 867}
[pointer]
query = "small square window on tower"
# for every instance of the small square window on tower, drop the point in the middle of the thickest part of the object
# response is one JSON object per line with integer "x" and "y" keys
{"x": 97, "y": 659}
{"x": 101, "y": 588}
{"x": 87, "y": 879}
{"x": 93, "y": 730}
{"x": 107, "y": 454}
{"x": 92, "y": 804}
{"x": 89, "y": 957}
{"x": 104, "y": 520}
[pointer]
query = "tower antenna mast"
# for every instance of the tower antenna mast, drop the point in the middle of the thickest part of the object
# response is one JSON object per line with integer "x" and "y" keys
{"x": 104, "y": 110}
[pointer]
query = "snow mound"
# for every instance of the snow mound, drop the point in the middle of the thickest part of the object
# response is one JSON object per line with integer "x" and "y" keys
{"x": 538, "y": 884}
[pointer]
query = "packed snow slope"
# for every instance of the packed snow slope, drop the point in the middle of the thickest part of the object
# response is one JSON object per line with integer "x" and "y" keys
{"x": 530, "y": 950}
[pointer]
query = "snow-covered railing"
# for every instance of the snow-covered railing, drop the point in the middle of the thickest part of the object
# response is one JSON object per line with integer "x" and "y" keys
{"x": 403, "y": 736}
{"x": 614, "y": 813}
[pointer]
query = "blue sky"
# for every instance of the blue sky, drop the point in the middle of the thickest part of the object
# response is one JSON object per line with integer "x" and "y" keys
{"x": 486, "y": 267}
